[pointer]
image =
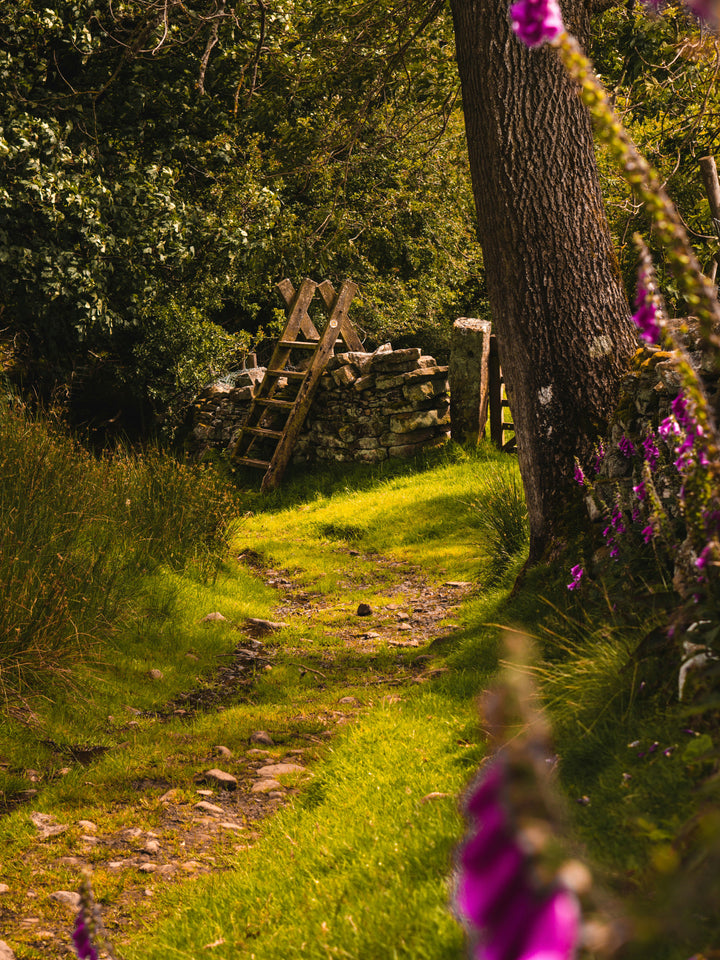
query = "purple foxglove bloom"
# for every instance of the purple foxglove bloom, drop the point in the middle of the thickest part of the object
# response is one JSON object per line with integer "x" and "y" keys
{"x": 648, "y": 533}
{"x": 680, "y": 410}
{"x": 646, "y": 314}
{"x": 650, "y": 451}
{"x": 579, "y": 475}
{"x": 616, "y": 522}
{"x": 577, "y": 573}
{"x": 555, "y": 932}
{"x": 599, "y": 457}
{"x": 635, "y": 515}
{"x": 537, "y": 21}
{"x": 669, "y": 428}
{"x": 496, "y": 894}
{"x": 640, "y": 491}
{"x": 82, "y": 938}
{"x": 626, "y": 447}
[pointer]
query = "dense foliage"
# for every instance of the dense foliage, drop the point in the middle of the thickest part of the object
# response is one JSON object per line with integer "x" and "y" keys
{"x": 165, "y": 164}
{"x": 662, "y": 74}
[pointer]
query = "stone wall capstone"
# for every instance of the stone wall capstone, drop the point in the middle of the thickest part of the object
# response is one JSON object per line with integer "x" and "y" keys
{"x": 368, "y": 407}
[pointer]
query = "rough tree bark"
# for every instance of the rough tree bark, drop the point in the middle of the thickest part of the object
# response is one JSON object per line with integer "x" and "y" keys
{"x": 558, "y": 304}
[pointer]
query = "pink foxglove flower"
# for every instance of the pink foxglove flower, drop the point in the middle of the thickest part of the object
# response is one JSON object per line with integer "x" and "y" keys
{"x": 512, "y": 917}
{"x": 537, "y": 21}
{"x": 626, "y": 447}
{"x": 646, "y": 313}
{"x": 650, "y": 451}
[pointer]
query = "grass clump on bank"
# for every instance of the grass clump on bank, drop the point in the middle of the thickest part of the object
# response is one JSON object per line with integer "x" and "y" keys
{"x": 80, "y": 535}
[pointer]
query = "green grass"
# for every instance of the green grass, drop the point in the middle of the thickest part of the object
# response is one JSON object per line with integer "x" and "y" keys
{"x": 330, "y": 874}
{"x": 78, "y": 538}
{"x": 358, "y": 865}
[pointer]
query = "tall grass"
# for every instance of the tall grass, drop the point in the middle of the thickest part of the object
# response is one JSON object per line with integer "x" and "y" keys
{"x": 501, "y": 516}
{"x": 78, "y": 534}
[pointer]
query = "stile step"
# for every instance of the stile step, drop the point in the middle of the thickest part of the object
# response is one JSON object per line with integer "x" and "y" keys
{"x": 248, "y": 462}
{"x": 264, "y": 432}
{"x": 290, "y": 374}
{"x": 270, "y": 402}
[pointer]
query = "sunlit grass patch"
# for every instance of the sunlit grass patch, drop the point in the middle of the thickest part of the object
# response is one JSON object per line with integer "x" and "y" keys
{"x": 430, "y": 518}
{"x": 359, "y": 866}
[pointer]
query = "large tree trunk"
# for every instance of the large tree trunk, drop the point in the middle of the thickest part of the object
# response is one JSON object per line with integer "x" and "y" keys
{"x": 558, "y": 304}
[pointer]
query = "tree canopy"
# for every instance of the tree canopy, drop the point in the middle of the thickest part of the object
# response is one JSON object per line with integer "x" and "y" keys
{"x": 165, "y": 164}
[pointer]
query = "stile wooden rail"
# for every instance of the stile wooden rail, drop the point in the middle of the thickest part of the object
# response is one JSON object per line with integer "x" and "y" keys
{"x": 497, "y": 402}
{"x": 274, "y": 422}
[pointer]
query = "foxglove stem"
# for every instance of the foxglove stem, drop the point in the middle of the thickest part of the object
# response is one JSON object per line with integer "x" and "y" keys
{"x": 696, "y": 289}
{"x": 89, "y": 932}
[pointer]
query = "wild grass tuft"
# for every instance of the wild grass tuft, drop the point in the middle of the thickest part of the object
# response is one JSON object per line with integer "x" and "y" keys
{"x": 501, "y": 516}
{"x": 79, "y": 534}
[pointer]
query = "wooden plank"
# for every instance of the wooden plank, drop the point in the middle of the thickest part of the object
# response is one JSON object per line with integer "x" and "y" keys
{"x": 263, "y": 432}
{"x": 307, "y": 389}
{"x": 249, "y": 462}
{"x": 347, "y": 330}
{"x": 297, "y": 344}
{"x": 272, "y": 402}
{"x": 484, "y": 384}
{"x": 306, "y": 325}
{"x": 290, "y": 374}
{"x": 495, "y": 395}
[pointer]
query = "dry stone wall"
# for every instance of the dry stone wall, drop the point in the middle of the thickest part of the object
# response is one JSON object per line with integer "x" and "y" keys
{"x": 368, "y": 407}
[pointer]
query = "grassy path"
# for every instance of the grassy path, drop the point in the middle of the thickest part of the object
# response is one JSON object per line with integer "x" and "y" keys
{"x": 379, "y": 741}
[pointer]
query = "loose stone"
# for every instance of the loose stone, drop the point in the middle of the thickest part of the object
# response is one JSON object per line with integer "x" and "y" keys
{"x": 67, "y": 897}
{"x": 224, "y": 780}
{"x": 265, "y": 786}
{"x": 208, "y": 807}
{"x": 261, "y": 736}
{"x": 278, "y": 769}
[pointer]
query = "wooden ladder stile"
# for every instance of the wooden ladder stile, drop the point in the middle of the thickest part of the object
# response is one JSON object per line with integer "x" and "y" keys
{"x": 317, "y": 349}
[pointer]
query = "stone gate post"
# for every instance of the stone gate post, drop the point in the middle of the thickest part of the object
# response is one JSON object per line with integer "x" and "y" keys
{"x": 468, "y": 376}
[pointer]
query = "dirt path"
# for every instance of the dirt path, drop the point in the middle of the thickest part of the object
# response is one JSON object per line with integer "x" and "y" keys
{"x": 198, "y": 833}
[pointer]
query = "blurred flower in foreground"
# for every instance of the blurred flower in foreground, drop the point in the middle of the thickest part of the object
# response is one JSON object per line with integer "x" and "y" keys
{"x": 89, "y": 933}
{"x": 498, "y": 893}
{"x": 537, "y": 21}
{"x": 516, "y": 891}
